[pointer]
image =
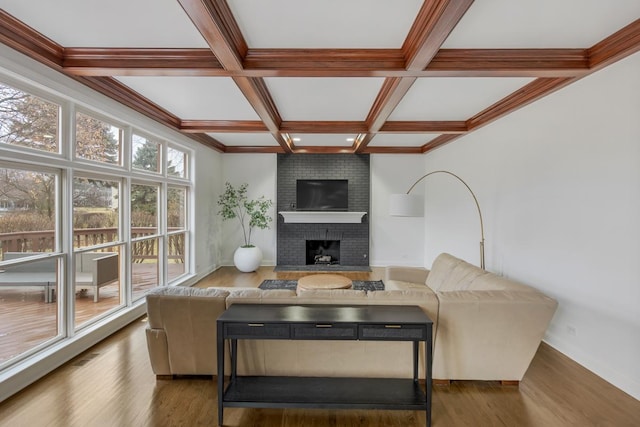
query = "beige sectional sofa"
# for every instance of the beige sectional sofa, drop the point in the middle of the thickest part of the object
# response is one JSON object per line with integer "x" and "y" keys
{"x": 485, "y": 328}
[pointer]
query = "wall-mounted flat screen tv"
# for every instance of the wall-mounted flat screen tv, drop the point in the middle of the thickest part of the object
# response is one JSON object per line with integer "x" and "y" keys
{"x": 322, "y": 195}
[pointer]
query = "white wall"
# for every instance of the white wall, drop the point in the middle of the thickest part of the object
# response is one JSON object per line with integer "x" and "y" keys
{"x": 559, "y": 186}
{"x": 208, "y": 185}
{"x": 394, "y": 240}
{"x": 260, "y": 172}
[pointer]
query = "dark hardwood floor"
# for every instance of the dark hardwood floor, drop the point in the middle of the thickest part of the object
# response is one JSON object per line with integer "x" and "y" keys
{"x": 112, "y": 384}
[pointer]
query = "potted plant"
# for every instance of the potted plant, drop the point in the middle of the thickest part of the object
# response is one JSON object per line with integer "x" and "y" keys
{"x": 251, "y": 214}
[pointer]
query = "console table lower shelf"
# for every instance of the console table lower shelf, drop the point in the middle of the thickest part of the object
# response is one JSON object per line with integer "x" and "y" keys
{"x": 325, "y": 393}
{"x": 323, "y": 322}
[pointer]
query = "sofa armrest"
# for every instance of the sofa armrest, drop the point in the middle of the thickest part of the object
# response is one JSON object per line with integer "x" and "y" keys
{"x": 158, "y": 351}
{"x": 489, "y": 335}
{"x": 407, "y": 274}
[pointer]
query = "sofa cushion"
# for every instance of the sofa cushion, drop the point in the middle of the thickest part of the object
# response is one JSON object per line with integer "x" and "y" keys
{"x": 406, "y": 274}
{"x": 452, "y": 274}
{"x": 161, "y": 300}
{"x": 332, "y": 296}
{"x": 187, "y": 291}
{"x": 259, "y": 296}
{"x": 400, "y": 285}
{"x": 449, "y": 273}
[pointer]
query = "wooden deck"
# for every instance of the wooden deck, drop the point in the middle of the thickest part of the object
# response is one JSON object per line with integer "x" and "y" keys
{"x": 27, "y": 321}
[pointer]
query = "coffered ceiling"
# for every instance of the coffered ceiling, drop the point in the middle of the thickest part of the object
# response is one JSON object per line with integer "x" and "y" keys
{"x": 324, "y": 76}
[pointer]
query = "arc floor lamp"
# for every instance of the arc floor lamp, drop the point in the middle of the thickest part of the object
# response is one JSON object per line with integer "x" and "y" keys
{"x": 411, "y": 205}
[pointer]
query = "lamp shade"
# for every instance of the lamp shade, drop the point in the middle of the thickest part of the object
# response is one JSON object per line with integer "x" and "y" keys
{"x": 406, "y": 205}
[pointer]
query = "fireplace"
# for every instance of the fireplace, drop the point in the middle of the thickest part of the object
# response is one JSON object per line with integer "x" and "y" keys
{"x": 323, "y": 252}
{"x": 293, "y": 248}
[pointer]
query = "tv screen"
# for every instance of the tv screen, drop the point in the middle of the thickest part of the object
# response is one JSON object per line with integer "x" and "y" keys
{"x": 322, "y": 195}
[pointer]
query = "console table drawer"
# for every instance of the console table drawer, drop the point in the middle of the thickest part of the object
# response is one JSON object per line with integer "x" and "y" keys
{"x": 392, "y": 332}
{"x": 327, "y": 331}
{"x": 257, "y": 330}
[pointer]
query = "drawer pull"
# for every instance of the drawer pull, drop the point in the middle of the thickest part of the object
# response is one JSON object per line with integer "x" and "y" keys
{"x": 393, "y": 326}
{"x": 255, "y": 325}
{"x": 324, "y": 326}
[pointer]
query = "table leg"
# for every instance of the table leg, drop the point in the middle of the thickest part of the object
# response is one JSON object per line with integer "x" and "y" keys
{"x": 428, "y": 370}
{"x": 416, "y": 347}
{"x": 234, "y": 358}
{"x": 220, "y": 354}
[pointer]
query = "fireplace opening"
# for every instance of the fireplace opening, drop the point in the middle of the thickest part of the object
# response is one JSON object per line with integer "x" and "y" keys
{"x": 323, "y": 252}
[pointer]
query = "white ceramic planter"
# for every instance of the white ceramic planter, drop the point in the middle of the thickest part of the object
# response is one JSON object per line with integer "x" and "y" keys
{"x": 247, "y": 259}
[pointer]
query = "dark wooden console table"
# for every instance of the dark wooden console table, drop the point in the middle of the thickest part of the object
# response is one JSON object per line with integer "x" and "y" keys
{"x": 324, "y": 322}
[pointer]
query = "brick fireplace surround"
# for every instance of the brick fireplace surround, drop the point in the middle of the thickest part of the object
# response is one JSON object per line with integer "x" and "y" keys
{"x": 354, "y": 237}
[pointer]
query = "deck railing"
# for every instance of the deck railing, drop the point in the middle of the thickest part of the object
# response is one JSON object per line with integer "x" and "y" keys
{"x": 44, "y": 241}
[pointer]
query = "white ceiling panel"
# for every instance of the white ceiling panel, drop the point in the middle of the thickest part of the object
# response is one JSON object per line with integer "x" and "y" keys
{"x": 113, "y": 23}
{"x": 541, "y": 23}
{"x": 453, "y": 98}
{"x": 245, "y": 139}
{"x": 323, "y": 140}
{"x": 302, "y": 98}
{"x": 401, "y": 140}
{"x": 325, "y": 23}
{"x": 194, "y": 98}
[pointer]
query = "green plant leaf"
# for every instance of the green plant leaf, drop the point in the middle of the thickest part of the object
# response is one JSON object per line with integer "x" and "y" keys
{"x": 251, "y": 214}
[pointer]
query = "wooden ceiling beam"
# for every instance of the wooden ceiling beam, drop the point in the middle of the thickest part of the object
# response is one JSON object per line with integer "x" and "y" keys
{"x": 322, "y": 150}
{"x": 229, "y": 56}
{"x": 218, "y": 27}
{"x": 222, "y": 126}
{"x": 508, "y": 63}
{"x": 390, "y": 95}
{"x": 424, "y": 127}
{"x": 326, "y": 63}
{"x": 431, "y": 27}
{"x": 434, "y": 23}
{"x": 124, "y": 95}
{"x": 117, "y": 91}
{"x": 325, "y": 59}
{"x": 617, "y": 46}
{"x": 208, "y": 141}
{"x": 29, "y": 42}
{"x": 392, "y": 150}
{"x": 141, "y": 62}
{"x": 255, "y": 149}
{"x": 518, "y": 99}
{"x": 216, "y": 24}
{"x": 323, "y": 127}
{"x": 438, "y": 142}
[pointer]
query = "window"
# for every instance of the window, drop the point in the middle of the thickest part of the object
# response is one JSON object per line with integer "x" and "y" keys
{"x": 28, "y": 289}
{"x": 144, "y": 251}
{"x": 176, "y": 162}
{"x": 145, "y": 154}
{"x": 144, "y": 210}
{"x": 97, "y": 140}
{"x": 177, "y": 236}
{"x": 28, "y": 121}
{"x": 66, "y": 262}
{"x": 97, "y": 256}
{"x": 95, "y": 211}
{"x": 145, "y": 266}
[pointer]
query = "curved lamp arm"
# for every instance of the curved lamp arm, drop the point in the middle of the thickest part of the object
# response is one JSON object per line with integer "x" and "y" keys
{"x": 474, "y": 199}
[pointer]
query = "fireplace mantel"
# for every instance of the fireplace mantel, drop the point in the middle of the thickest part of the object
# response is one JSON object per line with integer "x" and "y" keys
{"x": 320, "y": 217}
